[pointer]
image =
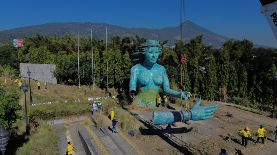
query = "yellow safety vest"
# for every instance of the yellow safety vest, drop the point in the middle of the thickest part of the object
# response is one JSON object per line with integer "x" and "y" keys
{"x": 159, "y": 100}
{"x": 70, "y": 149}
{"x": 165, "y": 99}
{"x": 19, "y": 83}
{"x": 112, "y": 115}
{"x": 245, "y": 133}
{"x": 38, "y": 83}
{"x": 261, "y": 132}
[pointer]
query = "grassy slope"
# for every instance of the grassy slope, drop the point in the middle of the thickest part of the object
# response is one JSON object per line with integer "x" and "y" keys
{"x": 42, "y": 141}
{"x": 67, "y": 100}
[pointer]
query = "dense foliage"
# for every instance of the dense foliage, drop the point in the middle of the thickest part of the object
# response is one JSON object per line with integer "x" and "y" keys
{"x": 236, "y": 71}
{"x": 8, "y": 106}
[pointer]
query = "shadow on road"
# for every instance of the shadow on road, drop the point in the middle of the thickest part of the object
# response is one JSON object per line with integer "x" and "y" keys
{"x": 169, "y": 131}
{"x": 236, "y": 140}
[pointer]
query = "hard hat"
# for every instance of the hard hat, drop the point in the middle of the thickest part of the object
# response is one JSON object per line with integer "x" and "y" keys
{"x": 247, "y": 128}
{"x": 164, "y": 95}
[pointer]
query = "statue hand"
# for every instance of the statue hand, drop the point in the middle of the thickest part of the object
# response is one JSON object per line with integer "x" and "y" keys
{"x": 199, "y": 112}
{"x": 186, "y": 95}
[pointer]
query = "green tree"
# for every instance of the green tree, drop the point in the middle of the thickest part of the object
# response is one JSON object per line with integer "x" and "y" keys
{"x": 66, "y": 69}
{"x": 169, "y": 60}
{"x": 223, "y": 68}
{"x": 210, "y": 77}
{"x": 233, "y": 80}
{"x": 242, "y": 82}
{"x": 8, "y": 106}
{"x": 38, "y": 55}
{"x": 8, "y": 56}
{"x": 267, "y": 91}
{"x": 195, "y": 48}
{"x": 8, "y": 71}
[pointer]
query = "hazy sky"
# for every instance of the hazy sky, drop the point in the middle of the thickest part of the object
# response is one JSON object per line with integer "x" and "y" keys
{"x": 236, "y": 19}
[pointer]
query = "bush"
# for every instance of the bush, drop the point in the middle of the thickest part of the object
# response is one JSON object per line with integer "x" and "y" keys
{"x": 43, "y": 141}
{"x": 240, "y": 101}
{"x": 8, "y": 106}
{"x": 59, "y": 110}
{"x": 8, "y": 71}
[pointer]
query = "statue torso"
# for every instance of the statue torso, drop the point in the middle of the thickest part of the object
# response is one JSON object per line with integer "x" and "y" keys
{"x": 150, "y": 78}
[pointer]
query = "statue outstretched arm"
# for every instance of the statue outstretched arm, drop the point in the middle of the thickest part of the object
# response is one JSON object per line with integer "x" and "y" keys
{"x": 197, "y": 112}
{"x": 184, "y": 95}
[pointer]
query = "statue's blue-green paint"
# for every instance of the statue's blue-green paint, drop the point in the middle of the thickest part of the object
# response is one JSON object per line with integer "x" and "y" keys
{"x": 147, "y": 77}
{"x": 197, "y": 112}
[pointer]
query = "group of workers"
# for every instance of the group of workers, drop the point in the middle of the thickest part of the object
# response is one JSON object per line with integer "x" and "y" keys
{"x": 19, "y": 84}
{"x": 163, "y": 102}
{"x": 96, "y": 105}
{"x": 246, "y": 135}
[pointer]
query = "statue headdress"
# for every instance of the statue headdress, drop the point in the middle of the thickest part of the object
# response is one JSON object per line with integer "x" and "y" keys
{"x": 138, "y": 55}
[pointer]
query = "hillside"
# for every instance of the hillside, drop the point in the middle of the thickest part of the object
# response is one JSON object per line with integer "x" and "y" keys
{"x": 169, "y": 33}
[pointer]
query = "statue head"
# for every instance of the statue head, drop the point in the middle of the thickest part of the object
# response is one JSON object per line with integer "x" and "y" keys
{"x": 152, "y": 52}
{"x": 148, "y": 52}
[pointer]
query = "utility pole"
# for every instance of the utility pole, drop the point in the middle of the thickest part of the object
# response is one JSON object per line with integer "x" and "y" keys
{"x": 29, "y": 76}
{"x": 182, "y": 19}
{"x": 275, "y": 97}
{"x": 25, "y": 89}
{"x": 107, "y": 74}
{"x": 92, "y": 63}
{"x": 79, "y": 59}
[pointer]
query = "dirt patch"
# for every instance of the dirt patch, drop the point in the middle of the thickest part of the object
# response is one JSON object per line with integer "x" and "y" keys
{"x": 220, "y": 132}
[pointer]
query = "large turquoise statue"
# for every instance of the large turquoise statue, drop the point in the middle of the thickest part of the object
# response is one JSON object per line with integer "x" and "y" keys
{"x": 147, "y": 77}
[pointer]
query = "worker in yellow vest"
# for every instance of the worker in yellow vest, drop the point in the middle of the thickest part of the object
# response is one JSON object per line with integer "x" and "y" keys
{"x": 261, "y": 134}
{"x": 166, "y": 103}
{"x": 158, "y": 101}
{"x": 19, "y": 83}
{"x": 70, "y": 149}
{"x": 112, "y": 114}
{"x": 38, "y": 84}
{"x": 245, "y": 134}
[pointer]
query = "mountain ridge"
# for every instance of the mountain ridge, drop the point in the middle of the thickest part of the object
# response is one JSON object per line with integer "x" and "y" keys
{"x": 171, "y": 34}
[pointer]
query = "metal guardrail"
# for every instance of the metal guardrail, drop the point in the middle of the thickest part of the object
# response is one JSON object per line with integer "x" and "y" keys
{"x": 89, "y": 149}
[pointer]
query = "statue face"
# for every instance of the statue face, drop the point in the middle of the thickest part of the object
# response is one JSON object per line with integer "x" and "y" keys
{"x": 152, "y": 54}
